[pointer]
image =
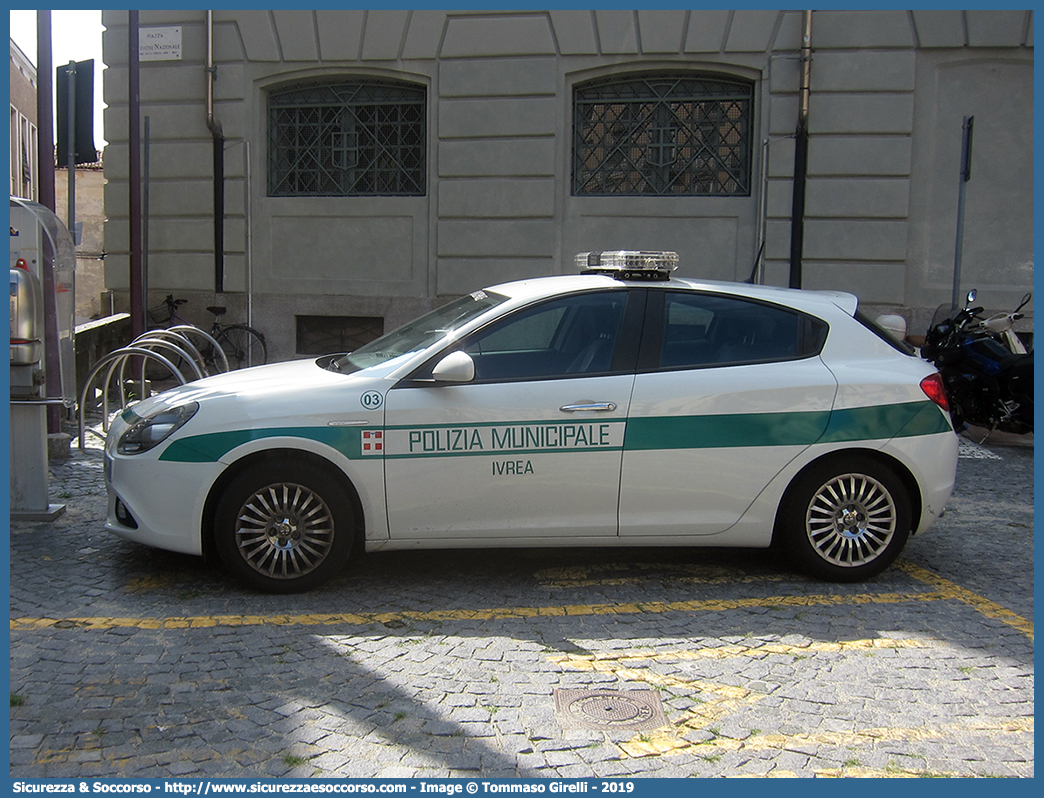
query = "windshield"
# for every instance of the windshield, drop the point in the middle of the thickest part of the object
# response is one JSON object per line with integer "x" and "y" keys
{"x": 419, "y": 333}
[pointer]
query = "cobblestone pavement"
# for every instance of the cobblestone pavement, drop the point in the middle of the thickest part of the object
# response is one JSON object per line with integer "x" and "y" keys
{"x": 126, "y": 661}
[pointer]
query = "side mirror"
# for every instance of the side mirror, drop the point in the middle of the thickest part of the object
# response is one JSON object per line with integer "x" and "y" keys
{"x": 971, "y": 297}
{"x": 455, "y": 367}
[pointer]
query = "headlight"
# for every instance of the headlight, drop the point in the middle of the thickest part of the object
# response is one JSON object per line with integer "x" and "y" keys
{"x": 148, "y": 432}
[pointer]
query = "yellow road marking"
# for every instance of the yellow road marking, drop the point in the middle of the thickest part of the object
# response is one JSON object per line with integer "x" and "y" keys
{"x": 363, "y": 619}
{"x": 608, "y": 662}
{"x": 606, "y": 574}
{"x": 667, "y": 742}
{"x": 853, "y": 773}
{"x": 990, "y": 609}
{"x": 942, "y": 589}
{"x": 872, "y": 773}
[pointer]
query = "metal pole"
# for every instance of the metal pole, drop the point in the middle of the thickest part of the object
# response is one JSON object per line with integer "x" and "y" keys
{"x": 219, "y": 215}
{"x": 249, "y": 236}
{"x": 797, "y": 211}
{"x": 70, "y": 147}
{"x": 44, "y": 114}
{"x": 52, "y": 362}
{"x": 134, "y": 102}
{"x": 219, "y": 161}
{"x": 46, "y": 192}
{"x": 145, "y": 219}
{"x": 958, "y": 253}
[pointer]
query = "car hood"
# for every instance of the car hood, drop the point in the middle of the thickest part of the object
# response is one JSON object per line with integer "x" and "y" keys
{"x": 297, "y": 388}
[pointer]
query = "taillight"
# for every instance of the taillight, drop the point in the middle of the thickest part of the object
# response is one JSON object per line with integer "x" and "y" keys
{"x": 934, "y": 389}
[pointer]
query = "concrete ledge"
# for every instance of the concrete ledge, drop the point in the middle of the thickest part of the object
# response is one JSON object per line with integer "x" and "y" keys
{"x": 58, "y": 446}
{"x": 95, "y": 339}
{"x": 998, "y": 438}
{"x": 52, "y": 512}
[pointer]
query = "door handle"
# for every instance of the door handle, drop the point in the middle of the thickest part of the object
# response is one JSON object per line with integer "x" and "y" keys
{"x": 598, "y": 407}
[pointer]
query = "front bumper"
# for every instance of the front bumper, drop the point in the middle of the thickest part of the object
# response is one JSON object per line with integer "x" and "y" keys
{"x": 158, "y": 503}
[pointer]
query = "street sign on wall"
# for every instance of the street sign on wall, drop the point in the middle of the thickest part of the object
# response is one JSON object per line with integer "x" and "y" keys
{"x": 159, "y": 44}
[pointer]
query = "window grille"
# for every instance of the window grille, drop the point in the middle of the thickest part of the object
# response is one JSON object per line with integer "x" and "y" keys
{"x": 322, "y": 335}
{"x": 663, "y": 134}
{"x": 350, "y": 139}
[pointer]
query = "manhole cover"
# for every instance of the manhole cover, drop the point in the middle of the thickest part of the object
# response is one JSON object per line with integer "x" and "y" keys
{"x": 606, "y": 710}
{"x": 68, "y": 624}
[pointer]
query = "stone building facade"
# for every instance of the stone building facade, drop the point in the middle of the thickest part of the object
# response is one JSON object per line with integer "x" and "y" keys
{"x": 378, "y": 162}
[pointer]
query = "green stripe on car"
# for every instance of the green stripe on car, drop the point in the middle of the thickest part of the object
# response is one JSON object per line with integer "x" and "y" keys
{"x": 879, "y": 422}
{"x": 725, "y": 431}
{"x": 212, "y": 447}
{"x": 905, "y": 420}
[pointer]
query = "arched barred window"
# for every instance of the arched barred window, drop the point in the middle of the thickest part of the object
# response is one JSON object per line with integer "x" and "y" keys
{"x": 352, "y": 138}
{"x": 663, "y": 134}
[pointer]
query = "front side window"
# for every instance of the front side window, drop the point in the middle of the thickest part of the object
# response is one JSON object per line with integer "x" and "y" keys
{"x": 348, "y": 139}
{"x": 669, "y": 134}
{"x": 571, "y": 336}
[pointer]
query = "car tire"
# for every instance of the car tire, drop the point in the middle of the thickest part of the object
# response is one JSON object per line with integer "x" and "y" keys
{"x": 844, "y": 519}
{"x": 284, "y": 527}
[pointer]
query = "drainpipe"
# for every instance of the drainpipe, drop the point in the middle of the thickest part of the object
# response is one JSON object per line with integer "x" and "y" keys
{"x": 797, "y": 214}
{"x": 219, "y": 163}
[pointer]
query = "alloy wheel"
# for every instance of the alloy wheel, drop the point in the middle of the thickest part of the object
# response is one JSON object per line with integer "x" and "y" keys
{"x": 284, "y": 531}
{"x": 851, "y": 520}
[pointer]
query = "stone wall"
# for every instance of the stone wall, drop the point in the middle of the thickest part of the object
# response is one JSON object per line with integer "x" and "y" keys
{"x": 889, "y": 91}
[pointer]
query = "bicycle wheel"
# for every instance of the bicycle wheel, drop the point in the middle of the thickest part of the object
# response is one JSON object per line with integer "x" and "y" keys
{"x": 243, "y": 346}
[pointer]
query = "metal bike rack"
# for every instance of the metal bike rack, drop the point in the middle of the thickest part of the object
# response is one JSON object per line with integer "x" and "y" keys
{"x": 181, "y": 353}
{"x": 114, "y": 360}
{"x": 163, "y": 344}
{"x": 180, "y": 340}
{"x": 186, "y": 330}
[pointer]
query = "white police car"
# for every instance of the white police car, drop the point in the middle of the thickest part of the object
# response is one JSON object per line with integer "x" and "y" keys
{"x": 613, "y": 407}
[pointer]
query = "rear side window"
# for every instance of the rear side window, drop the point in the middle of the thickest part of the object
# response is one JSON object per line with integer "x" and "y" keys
{"x": 700, "y": 330}
{"x": 883, "y": 334}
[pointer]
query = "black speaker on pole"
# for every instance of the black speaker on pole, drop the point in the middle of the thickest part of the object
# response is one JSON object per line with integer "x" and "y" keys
{"x": 84, "y": 150}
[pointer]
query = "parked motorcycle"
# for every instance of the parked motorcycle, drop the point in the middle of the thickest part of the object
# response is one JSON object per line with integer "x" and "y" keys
{"x": 986, "y": 369}
{"x": 1001, "y": 325}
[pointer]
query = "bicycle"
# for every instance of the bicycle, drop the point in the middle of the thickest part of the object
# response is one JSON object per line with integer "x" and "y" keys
{"x": 243, "y": 345}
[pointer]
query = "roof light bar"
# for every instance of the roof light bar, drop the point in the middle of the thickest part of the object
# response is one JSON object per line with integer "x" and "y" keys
{"x": 629, "y": 264}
